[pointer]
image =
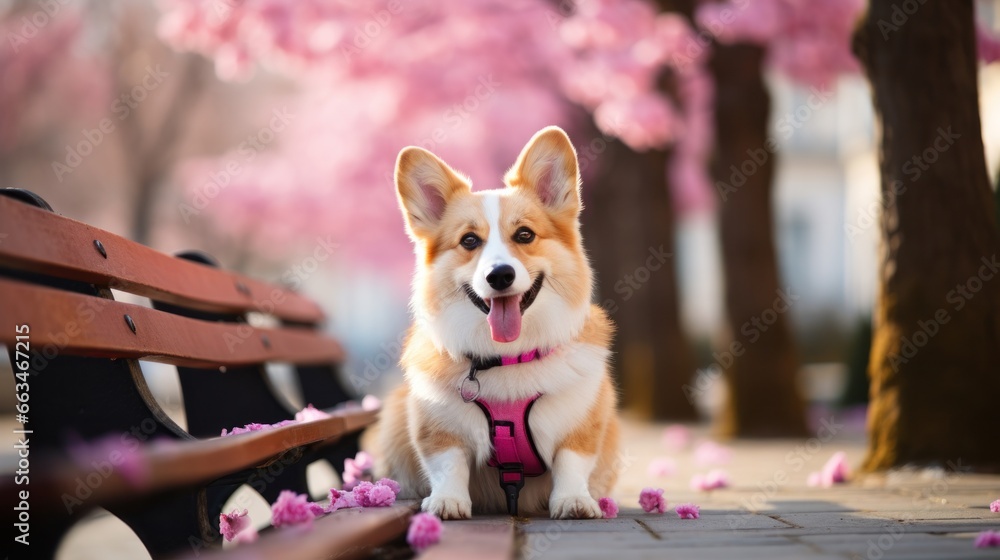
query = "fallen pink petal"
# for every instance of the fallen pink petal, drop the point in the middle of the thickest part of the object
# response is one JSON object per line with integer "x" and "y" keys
{"x": 389, "y": 483}
{"x": 126, "y": 459}
{"x": 995, "y": 506}
{"x": 357, "y": 469}
{"x": 652, "y": 501}
{"x": 835, "y": 471}
{"x": 317, "y": 509}
{"x": 361, "y": 491}
{"x": 710, "y": 453}
{"x": 371, "y": 402}
{"x": 717, "y": 478}
{"x": 310, "y": 413}
{"x": 291, "y": 509}
{"x": 676, "y": 437}
{"x": 713, "y": 480}
{"x": 233, "y": 523}
{"x": 662, "y": 466}
{"x": 380, "y": 496}
{"x": 340, "y": 499}
{"x": 425, "y": 531}
{"x": 252, "y": 427}
{"x": 688, "y": 511}
{"x": 609, "y": 508}
{"x": 988, "y": 539}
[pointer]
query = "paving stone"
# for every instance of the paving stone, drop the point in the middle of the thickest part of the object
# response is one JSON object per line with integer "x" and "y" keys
{"x": 799, "y": 506}
{"x": 732, "y": 522}
{"x": 789, "y": 551}
{"x": 843, "y": 521}
{"x": 930, "y": 513}
{"x": 871, "y": 545}
{"x": 556, "y": 526}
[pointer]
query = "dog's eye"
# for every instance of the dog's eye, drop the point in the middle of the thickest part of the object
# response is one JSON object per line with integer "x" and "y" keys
{"x": 524, "y": 235}
{"x": 470, "y": 241}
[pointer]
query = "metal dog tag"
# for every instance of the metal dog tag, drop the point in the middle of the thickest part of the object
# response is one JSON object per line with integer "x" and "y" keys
{"x": 469, "y": 389}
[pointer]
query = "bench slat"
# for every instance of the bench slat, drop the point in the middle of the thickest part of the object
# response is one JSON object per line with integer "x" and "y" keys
{"x": 44, "y": 242}
{"x": 168, "y": 464}
{"x": 345, "y": 535}
{"x": 83, "y": 325}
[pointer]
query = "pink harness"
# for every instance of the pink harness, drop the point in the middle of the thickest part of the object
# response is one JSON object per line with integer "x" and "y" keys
{"x": 514, "y": 453}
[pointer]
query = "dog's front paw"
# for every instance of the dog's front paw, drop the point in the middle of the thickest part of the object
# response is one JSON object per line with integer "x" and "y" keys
{"x": 448, "y": 507}
{"x": 574, "y": 507}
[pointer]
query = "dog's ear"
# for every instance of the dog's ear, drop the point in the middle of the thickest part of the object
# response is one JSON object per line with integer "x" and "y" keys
{"x": 548, "y": 166}
{"x": 425, "y": 185}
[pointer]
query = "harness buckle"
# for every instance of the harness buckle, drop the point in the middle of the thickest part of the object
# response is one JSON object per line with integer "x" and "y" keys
{"x": 511, "y": 481}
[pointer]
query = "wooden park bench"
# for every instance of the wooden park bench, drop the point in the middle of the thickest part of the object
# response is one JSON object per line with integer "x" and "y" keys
{"x": 79, "y": 348}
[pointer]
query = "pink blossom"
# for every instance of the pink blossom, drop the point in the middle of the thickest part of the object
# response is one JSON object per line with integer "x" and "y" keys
{"x": 609, "y": 508}
{"x": 711, "y": 453}
{"x": 50, "y": 76}
{"x": 715, "y": 479}
{"x": 357, "y": 469}
{"x": 310, "y": 413}
{"x": 835, "y": 471}
{"x": 316, "y": 509}
{"x": 425, "y": 531}
{"x": 995, "y": 506}
{"x": 380, "y": 496}
{"x": 252, "y": 427}
{"x": 988, "y": 539}
{"x": 676, "y": 437}
{"x": 361, "y": 490}
{"x": 365, "y": 494}
{"x": 340, "y": 499}
{"x": 688, "y": 511}
{"x": 371, "y": 402}
{"x": 662, "y": 466}
{"x": 392, "y": 484}
{"x": 809, "y": 42}
{"x": 231, "y": 524}
{"x": 652, "y": 500}
{"x": 291, "y": 509}
{"x": 608, "y": 57}
{"x": 127, "y": 460}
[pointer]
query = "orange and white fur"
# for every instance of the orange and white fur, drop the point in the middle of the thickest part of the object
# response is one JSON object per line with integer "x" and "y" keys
{"x": 431, "y": 441}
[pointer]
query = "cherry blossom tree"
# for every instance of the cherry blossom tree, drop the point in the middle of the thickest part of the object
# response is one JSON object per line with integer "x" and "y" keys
{"x": 448, "y": 76}
{"x": 45, "y": 84}
{"x": 470, "y": 81}
{"x": 937, "y": 316}
{"x": 808, "y": 42}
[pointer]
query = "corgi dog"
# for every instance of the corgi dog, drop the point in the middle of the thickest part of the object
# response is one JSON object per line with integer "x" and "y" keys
{"x": 502, "y": 315}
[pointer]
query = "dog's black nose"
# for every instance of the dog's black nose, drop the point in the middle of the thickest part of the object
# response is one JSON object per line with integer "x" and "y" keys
{"x": 500, "y": 277}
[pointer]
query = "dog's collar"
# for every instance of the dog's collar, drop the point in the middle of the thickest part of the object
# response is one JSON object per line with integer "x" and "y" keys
{"x": 470, "y": 385}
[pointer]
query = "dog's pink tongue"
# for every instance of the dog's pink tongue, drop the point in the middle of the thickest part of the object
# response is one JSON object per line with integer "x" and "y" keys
{"x": 505, "y": 318}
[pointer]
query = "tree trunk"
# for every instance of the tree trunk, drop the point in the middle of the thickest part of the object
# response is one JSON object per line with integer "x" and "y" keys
{"x": 758, "y": 357}
{"x": 934, "y": 374}
{"x": 629, "y": 230}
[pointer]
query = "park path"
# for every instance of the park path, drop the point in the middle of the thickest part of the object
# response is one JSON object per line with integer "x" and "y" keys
{"x": 769, "y": 511}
